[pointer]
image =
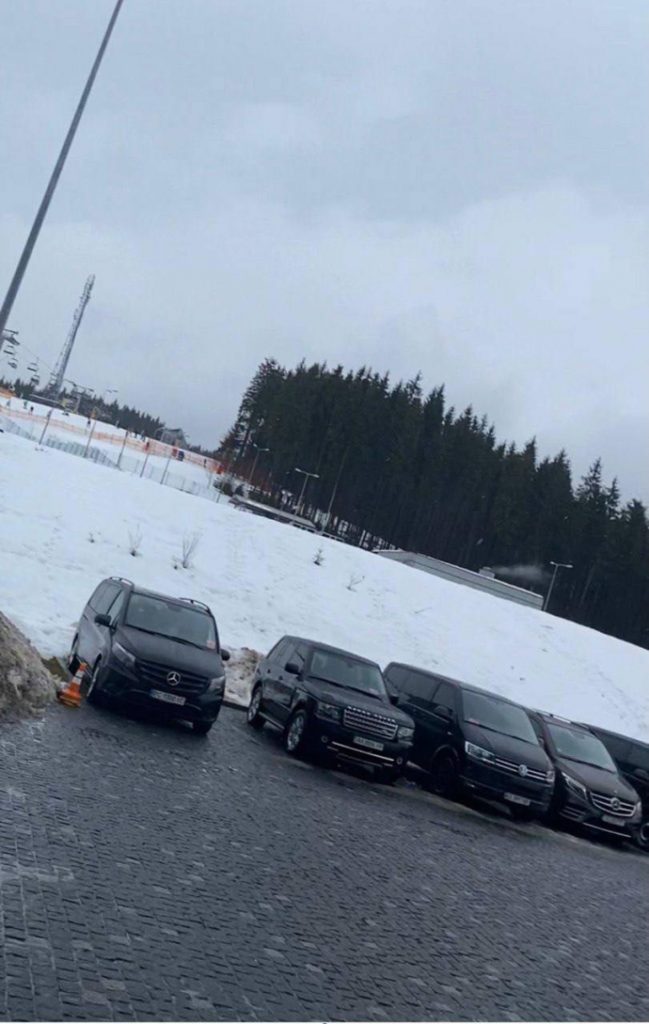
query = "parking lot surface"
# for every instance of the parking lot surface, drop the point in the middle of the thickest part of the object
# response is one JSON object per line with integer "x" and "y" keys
{"x": 147, "y": 873}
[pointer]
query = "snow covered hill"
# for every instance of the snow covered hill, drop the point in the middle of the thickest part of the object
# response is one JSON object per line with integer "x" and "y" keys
{"x": 65, "y": 524}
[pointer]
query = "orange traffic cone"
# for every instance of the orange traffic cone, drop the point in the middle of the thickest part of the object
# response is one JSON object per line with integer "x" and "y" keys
{"x": 70, "y": 694}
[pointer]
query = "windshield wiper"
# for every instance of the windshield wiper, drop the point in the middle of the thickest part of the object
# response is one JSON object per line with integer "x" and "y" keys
{"x": 499, "y": 732}
{"x": 167, "y": 636}
{"x": 591, "y": 764}
{"x": 346, "y": 686}
{"x": 142, "y": 629}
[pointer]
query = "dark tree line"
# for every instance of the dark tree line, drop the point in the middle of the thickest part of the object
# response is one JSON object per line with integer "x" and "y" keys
{"x": 405, "y": 470}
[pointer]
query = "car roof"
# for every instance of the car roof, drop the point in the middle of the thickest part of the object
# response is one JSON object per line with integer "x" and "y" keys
{"x": 617, "y": 735}
{"x": 456, "y": 682}
{"x": 329, "y": 647}
{"x": 547, "y": 716}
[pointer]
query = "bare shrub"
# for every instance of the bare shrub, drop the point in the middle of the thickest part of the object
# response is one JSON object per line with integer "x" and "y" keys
{"x": 354, "y": 581}
{"x": 135, "y": 538}
{"x": 190, "y": 543}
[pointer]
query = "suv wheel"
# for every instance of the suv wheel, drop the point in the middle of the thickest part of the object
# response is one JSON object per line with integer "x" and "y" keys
{"x": 93, "y": 693}
{"x": 294, "y": 734}
{"x": 643, "y": 836}
{"x": 444, "y": 776}
{"x": 202, "y": 728}
{"x": 253, "y": 717}
{"x": 387, "y": 776}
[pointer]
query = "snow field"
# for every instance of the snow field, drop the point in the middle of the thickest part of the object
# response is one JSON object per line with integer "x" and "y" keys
{"x": 65, "y": 524}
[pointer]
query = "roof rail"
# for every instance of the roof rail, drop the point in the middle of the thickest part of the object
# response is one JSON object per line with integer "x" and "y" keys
{"x": 200, "y": 604}
{"x": 121, "y": 579}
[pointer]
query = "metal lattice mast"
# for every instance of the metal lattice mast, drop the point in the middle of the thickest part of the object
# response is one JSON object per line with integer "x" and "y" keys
{"x": 58, "y": 374}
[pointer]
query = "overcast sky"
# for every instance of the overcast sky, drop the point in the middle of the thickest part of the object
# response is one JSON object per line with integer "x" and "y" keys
{"x": 452, "y": 186}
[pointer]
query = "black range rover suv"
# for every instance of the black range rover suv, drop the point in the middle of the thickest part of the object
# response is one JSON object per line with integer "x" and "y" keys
{"x": 331, "y": 703}
{"x": 146, "y": 648}
{"x": 472, "y": 742}
{"x": 590, "y": 791}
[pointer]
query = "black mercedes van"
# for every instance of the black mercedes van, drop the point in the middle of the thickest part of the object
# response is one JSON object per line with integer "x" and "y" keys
{"x": 472, "y": 742}
{"x": 632, "y": 758}
{"x": 590, "y": 791}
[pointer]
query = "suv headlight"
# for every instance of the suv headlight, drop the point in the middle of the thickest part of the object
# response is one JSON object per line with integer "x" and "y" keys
{"x": 479, "y": 753}
{"x": 575, "y": 786}
{"x": 405, "y": 733}
{"x": 123, "y": 656}
{"x": 216, "y": 685}
{"x": 330, "y": 711}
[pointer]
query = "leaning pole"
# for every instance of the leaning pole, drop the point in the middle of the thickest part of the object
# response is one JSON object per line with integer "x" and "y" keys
{"x": 19, "y": 272}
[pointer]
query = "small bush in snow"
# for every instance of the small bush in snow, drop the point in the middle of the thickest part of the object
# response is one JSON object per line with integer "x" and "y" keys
{"x": 354, "y": 581}
{"x": 135, "y": 541}
{"x": 91, "y": 538}
{"x": 190, "y": 543}
{"x": 319, "y": 557}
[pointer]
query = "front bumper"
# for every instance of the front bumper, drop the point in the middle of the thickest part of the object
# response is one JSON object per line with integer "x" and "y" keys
{"x": 120, "y": 685}
{"x": 344, "y": 744}
{"x": 489, "y": 783}
{"x": 582, "y": 813}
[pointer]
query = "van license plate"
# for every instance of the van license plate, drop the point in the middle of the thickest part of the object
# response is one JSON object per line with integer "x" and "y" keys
{"x": 360, "y": 741}
{"x": 168, "y": 698}
{"x": 610, "y": 820}
{"x": 514, "y": 798}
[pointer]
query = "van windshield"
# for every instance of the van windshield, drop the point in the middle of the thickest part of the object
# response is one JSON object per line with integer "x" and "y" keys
{"x": 498, "y": 715}
{"x": 180, "y": 622}
{"x": 343, "y": 670}
{"x": 579, "y": 745}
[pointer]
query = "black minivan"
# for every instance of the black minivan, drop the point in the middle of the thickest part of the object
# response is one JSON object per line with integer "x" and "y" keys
{"x": 145, "y": 648}
{"x": 632, "y": 759}
{"x": 590, "y": 791}
{"x": 473, "y": 742}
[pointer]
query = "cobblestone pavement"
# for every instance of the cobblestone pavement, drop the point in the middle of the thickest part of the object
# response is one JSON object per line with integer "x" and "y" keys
{"x": 149, "y": 873}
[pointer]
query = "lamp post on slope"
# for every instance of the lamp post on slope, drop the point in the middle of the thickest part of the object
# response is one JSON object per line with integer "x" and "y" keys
{"x": 557, "y": 566}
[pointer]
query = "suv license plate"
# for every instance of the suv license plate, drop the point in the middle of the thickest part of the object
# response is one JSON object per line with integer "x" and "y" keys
{"x": 360, "y": 741}
{"x": 168, "y": 698}
{"x": 610, "y": 820}
{"x": 514, "y": 798}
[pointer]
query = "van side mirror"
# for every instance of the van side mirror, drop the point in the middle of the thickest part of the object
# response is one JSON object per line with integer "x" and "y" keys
{"x": 292, "y": 667}
{"x": 642, "y": 774}
{"x": 225, "y": 654}
{"x": 103, "y": 620}
{"x": 394, "y": 697}
{"x": 444, "y": 713}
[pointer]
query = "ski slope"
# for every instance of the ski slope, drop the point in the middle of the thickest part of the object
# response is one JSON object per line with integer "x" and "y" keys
{"x": 65, "y": 524}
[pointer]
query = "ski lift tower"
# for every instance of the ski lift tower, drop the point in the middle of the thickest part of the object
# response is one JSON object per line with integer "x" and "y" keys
{"x": 55, "y": 386}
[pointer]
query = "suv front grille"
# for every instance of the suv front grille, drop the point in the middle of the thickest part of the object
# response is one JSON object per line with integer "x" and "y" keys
{"x": 155, "y": 675}
{"x": 534, "y": 774}
{"x": 622, "y": 808}
{"x": 370, "y": 723}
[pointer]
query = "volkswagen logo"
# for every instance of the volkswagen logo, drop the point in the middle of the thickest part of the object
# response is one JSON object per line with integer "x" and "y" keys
{"x": 615, "y": 803}
{"x": 173, "y": 678}
{"x": 523, "y": 770}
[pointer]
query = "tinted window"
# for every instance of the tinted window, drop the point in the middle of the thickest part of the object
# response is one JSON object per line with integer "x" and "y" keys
{"x": 395, "y": 678}
{"x": 498, "y": 716}
{"x": 445, "y": 696}
{"x": 300, "y": 654}
{"x": 617, "y": 747}
{"x": 118, "y": 604}
{"x": 182, "y": 622}
{"x": 279, "y": 649}
{"x": 103, "y": 600}
{"x": 579, "y": 745}
{"x": 97, "y": 596}
{"x": 345, "y": 670}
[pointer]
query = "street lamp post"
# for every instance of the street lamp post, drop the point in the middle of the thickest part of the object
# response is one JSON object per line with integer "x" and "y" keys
{"x": 335, "y": 489}
{"x": 557, "y": 566}
{"x": 306, "y": 476}
{"x": 19, "y": 272}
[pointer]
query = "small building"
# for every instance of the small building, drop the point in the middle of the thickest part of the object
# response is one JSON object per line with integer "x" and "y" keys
{"x": 484, "y": 580}
{"x": 174, "y": 436}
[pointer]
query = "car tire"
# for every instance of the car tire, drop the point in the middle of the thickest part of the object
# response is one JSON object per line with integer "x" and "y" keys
{"x": 294, "y": 734}
{"x": 73, "y": 657}
{"x": 642, "y": 838}
{"x": 521, "y": 814}
{"x": 253, "y": 718}
{"x": 445, "y": 777}
{"x": 202, "y": 728}
{"x": 387, "y": 776}
{"x": 93, "y": 693}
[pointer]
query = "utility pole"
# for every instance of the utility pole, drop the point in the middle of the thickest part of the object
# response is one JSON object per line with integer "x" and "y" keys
{"x": 258, "y": 452}
{"x": 335, "y": 490}
{"x": 16, "y": 280}
{"x": 557, "y": 566}
{"x": 306, "y": 475}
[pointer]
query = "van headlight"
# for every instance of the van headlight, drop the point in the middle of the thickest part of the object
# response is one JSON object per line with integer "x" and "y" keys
{"x": 123, "y": 656}
{"x": 477, "y": 753}
{"x": 216, "y": 684}
{"x": 574, "y": 786}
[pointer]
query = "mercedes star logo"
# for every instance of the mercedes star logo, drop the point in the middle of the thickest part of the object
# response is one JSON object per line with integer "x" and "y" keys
{"x": 173, "y": 678}
{"x": 615, "y": 803}
{"x": 523, "y": 770}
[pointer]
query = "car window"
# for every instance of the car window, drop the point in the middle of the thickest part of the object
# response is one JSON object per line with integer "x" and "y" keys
{"x": 445, "y": 697}
{"x": 346, "y": 670}
{"x": 419, "y": 686}
{"x": 106, "y": 597}
{"x": 299, "y": 655}
{"x": 183, "y": 622}
{"x": 617, "y": 746}
{"x": 579, "y": 745}
{"x": 395, "y": 678}
{"x": 287, "y": 652}
{"x": 118, "y": 604}
{"x": 490, "y": 712}
{"x": 97, "y": 595}
{"x": 275, "y": 654}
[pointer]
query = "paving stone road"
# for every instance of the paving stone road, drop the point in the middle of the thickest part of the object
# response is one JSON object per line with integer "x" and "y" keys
{"x": 146, "y": 873}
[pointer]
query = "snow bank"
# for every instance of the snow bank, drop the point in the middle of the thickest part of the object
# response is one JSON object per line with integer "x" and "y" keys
{"x": 25, "y": 684}
{"x": 260, "y": 579}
